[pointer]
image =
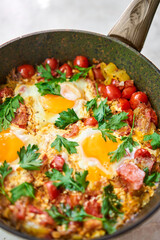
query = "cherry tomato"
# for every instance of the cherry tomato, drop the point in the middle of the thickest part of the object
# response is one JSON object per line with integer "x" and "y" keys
{"x": 67, "y": 69}
{"x": 81, "y": 61}
{"x": 92, "y": 207}
{"x": 26, "y": 70}
{"x": 52, "y": 62}
{"x": 113, "y": 92}
{"x": 130, "y": 116}
{"x": 57, "y": 163}
{"x": 52, "y": 190}
{"x": 137, "y": 98}
{"x": 98, "y": 74}
{"x": 91, "y": 121}
{"x": 102, "y": 90}
{"x": 116, "y": 83}
{"x": 124, "y": 104}
{"x": 129, "y": 83}
{"x": 127, "y": 92}
{"x": 144, "y": 153}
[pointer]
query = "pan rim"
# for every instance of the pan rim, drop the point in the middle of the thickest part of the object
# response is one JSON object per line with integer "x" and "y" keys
{"x": 152, "y": 211}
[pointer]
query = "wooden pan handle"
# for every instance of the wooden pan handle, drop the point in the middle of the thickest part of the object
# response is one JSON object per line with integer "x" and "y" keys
{"x": 133, "y": 25}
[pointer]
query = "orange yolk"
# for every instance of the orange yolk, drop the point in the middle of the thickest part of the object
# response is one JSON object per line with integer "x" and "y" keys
{"x": 55, "y": 104}
{"x": 95, "y": 146}
{"x": 9, "y": 145}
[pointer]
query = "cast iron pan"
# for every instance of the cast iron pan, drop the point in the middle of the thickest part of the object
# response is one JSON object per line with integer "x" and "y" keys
{"x": 66, "y": 44}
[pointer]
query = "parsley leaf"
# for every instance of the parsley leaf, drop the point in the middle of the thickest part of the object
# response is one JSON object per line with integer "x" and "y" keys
{"x": 46, "y": 73}
{"x": 128, "y": 142}
{"x": 5, "y": 170}
{"x": 25, "y": 189}
{"x": 65, "y": 180}
{"x": 116, "y": 121}
{"x": 151, "y": 179}
{"x": 83, "y": 72}
{"x": 103, "y": 112}
{"x": 66, "y": 118}
{"x": 106, "y": 132}
{"x": 69, "y": 145}
{"x": 29, "y": 158}
{"x": 92, "y": 104}
{"x": 155, "y": 140}
{"x": 7, "y": 111}
{"x": 50, "y": 87}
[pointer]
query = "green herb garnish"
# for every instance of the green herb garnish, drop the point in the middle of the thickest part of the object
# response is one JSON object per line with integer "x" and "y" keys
{"x": 83, "y": 72}
{"x": 25, "y": 189}
{"x": 151, "y": 179}
{"x": 66, "y": 118}
{"x": 155, "y": 140}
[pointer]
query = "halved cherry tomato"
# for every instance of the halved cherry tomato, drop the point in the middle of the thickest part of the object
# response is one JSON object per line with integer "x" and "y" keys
{"x": 124, "y": 104}
{"x": 98, "y": 74}
{"x": 102, "y": 90}
{"x": 127, "y": 92}
{"x": 92, "y": 207}
{"x": 67, "y": 69}
{"x": 52, "y": 190}
{"x": 26, "y": 70}
{"x": 91, "y": 121}
{"x": 130, "y": 116}
{"x": 142, "y": 153}
{"x": 52, "y": 62}
{"x": 137, "y": 98}
{"x": 57, "y": 163}
{"x": 113, "y": 92}
{"x": 81, "y": 61}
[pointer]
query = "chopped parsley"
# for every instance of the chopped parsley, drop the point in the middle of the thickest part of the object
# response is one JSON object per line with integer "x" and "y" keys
{"x": 29, "y": 158}
{"x": 7, "y": 111}
{"x": 5, "y": 170}
{"x": 66, "y": 118}
{"x": 151, "y": 179}
{"x": 50, "y": 87}
{"x": 25, "y": 189}
{"x": 69, "y": 145}
{"x": 66, "y": 180}
{"x": 83, "y": 72}
{"x": 155, "y": 140}
{"x": 128, "y": 142}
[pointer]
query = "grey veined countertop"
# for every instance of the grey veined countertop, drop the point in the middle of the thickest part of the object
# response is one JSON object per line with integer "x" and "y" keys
{"x": 19, "y": 17}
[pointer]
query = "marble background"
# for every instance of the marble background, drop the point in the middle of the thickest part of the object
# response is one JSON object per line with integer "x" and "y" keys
{"x": 19, "y": 17}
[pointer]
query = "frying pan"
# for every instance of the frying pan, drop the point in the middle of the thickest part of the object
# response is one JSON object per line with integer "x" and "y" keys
{"x": 121, "y": 46}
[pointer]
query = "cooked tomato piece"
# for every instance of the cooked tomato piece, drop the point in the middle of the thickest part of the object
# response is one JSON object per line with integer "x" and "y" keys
{"x": 124, "y": 104}
{"x": 52, "y": 190}
{"x": 98, "y": 74}
{"x": 19, "y": 210}
{"x": 73, "y": 199}
{"x": 137, "y": 98}
{"x": 127, "y": 92}
{"x": 52, "y": 62}
{"x": 74, "y": 130}
{"x": 21, "y": 116}
{"x": 131, "y": 175}
{"x": 26, "y": 70}
{"x": 154, "y": 117}
{"x": 57, "y": 162}
{"x": 92, "y": 207}
{"x": 34, "y": 209}
{"x": 141, "y": 152}
{"x": 102, "y": 90}
{"x": 130, "y": 116}
{"x": 65, "y": 68}
{"x": 128, "y": 83}
{"x": 91, "y": 121}
{"x": 118, "y": 84}
{"x": 81, "y": 61}
{"x": 112, "y": 92}
{"x": 6, "y": 92}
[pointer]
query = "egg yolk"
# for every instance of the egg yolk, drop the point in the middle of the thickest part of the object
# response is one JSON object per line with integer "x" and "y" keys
{"x": 55, "y": 104}
{"x": 96, "y": 147}
{"x": 9, "y": 145}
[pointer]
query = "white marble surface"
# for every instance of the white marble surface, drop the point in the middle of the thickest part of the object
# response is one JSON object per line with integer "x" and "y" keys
{"x": 19, "y": 17}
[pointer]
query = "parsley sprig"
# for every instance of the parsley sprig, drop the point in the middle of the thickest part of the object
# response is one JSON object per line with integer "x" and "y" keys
{"x": 50, "y": 87}
{"x": 128, "y": 142}
{"x": 5, "y": 170}
{"x": 7, "y": 111}
{"x": 29, "y": 158}
{"x": 69, "y": 145}
{"x": 151, "y": 179}
{"x": 83, "y": 72}
{"x": 25, "y": 189}
{"x": 66, "y": 180}
{"x": 155, "y": 140}
{"x": 66, "y": 118}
